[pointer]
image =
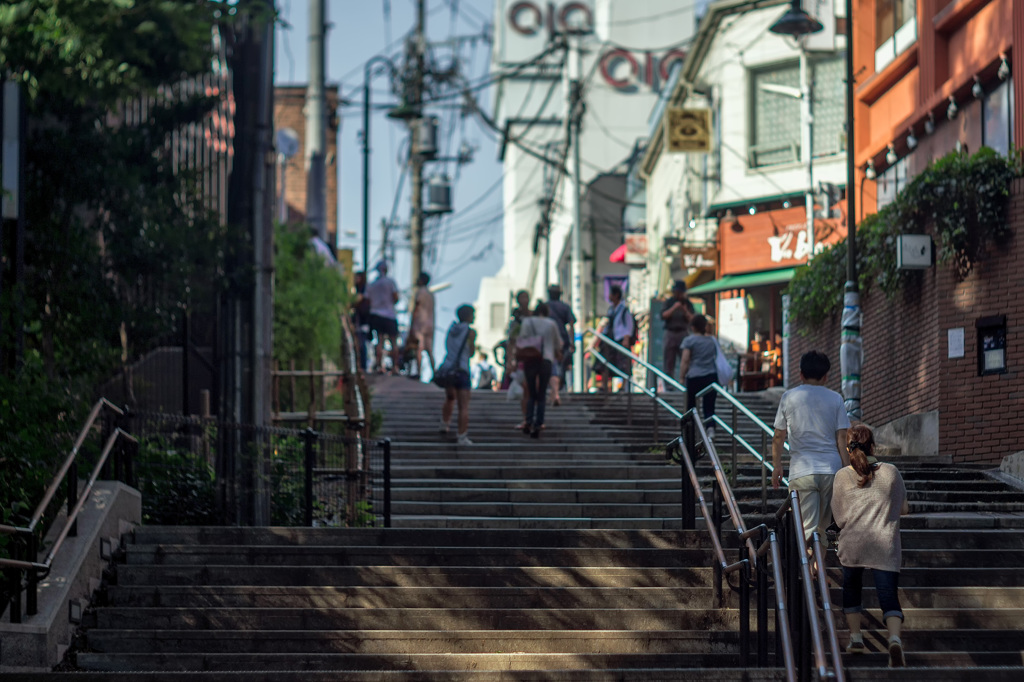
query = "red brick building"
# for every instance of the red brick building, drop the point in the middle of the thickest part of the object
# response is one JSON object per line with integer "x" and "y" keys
{"x": 289, "y": 112}
{"x": 937, "y": 76}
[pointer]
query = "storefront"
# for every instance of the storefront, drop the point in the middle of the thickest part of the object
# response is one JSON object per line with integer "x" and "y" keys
{"x": 759, "y": 252}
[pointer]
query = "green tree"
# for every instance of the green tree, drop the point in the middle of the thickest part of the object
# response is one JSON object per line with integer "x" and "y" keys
{"x": 309, "y": 299}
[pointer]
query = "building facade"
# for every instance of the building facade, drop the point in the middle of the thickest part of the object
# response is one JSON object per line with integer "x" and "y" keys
{"x": 938, "y": 77}
{"x": 627, "y": 52}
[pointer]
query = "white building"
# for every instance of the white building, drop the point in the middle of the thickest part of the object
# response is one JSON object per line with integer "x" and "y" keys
{"x": 626, "y": 59}
{"x": 746, "y": 197}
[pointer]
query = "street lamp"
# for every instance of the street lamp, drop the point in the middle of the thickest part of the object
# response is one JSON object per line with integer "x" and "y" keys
{"x": 367, "y": 76}
{"x": 851, "y": 348}
{"x": 798, "y": 23}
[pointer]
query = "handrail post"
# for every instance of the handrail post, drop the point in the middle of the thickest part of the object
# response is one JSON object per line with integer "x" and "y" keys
{"x": 744, "y": 577}
{"x": 735, "y": 464}
{"x": 716, "y": 520}
{"x": 14, "y": 583}
{"x": 72, "y": 483}
{"x": 628, "y": 387}
{"x": 689, "y": 497}
{"x": 310, "y": 436}
{"x": 386, "y": 443}
{"x": 764, "y": 472}
{"x": 32, "y": 577}
{"x": 654, "y": 410}
{"x": 762, "y": 608}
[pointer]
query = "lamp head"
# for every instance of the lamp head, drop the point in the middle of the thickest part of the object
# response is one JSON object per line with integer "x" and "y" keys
{"x": 952, "y": 110}
{"x": 977, "y": 90}
{"x": 929, "y": 124}
{"x": 911, "y": 139}
{"x": 869, "y": 171}
{"x": 891, "y": 156}
{"x": 796, "y": 22}
{"x": 1004, "y": 67}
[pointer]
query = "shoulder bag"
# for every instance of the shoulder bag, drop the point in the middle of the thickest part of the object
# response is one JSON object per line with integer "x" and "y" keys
{"x": 722, "y": 365}
{"x": 529, "y": 346}
{"x": 447, "y": 375}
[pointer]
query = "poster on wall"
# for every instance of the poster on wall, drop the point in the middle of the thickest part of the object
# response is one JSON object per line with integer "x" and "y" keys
{"x": 732, "y": 324}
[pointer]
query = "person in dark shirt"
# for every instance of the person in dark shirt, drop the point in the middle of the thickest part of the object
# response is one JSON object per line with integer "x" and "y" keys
{"x": 562, "y": 314}
{"x": 361, "y": 317}
{"x": 676, "y": 313}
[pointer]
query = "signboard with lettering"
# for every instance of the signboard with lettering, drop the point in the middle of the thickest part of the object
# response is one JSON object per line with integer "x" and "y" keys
{"x": 688, "y": 130}
{"x": 769, "y": 240}
{"x": 699, "y": 258}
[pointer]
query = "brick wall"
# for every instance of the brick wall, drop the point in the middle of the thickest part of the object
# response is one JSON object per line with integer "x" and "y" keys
{"x": 906, "y": 365}
{"x": 289, "y": 102}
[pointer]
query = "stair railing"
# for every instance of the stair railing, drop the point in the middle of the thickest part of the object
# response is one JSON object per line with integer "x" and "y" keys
{"x": 803, "y": 610}
{"x": 26, "y": 546}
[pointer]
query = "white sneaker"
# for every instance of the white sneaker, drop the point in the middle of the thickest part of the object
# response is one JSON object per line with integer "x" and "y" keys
{"x": 464, "y": 439}
{"x": 442, "y": 428}
{"x": 711, "y": 433}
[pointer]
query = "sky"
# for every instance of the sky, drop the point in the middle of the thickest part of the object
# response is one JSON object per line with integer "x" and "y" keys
{"x": 468, "y": 244}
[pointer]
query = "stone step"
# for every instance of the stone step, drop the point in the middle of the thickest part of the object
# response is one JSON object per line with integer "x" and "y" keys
{"x": 415, "y": 642}
{"x": 441, "y": 666}
{"x": 431, "y": 619}
{"x": 553, "y": 523}
{"x": 387, "y": 576}
{"x": 672, "y": 483}
{"x": 716, "y": 674}
{"x": 248, "y": 596}
{"x": 312, "y": 555}
{"x": 388, "y": 537}
{"x": 520, "y": 495}
{"x": 594, "y": 510}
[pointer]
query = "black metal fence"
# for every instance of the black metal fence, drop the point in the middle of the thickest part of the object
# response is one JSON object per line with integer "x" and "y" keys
{"x": 195, "y": 471}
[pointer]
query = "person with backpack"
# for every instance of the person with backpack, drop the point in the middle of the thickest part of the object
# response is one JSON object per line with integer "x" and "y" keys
{"x": 453, "y": 373}
{"x": 484, "y": 374}
{"x": 621, "y": 328}
{"x": 562, "y": 314}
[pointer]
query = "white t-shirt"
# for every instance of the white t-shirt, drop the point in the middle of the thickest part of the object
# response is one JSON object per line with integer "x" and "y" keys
{"x": 381, "y": 294}
{"x": 811, "y": 415}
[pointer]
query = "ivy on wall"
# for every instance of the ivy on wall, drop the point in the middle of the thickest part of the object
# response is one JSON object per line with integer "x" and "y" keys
{"x": 959, "y": 199}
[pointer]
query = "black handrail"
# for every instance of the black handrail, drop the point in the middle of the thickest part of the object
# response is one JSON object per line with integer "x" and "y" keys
{"x": 27, "y": 539}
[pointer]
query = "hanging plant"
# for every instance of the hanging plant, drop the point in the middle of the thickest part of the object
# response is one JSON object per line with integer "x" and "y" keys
{"x": 960, "y": 199}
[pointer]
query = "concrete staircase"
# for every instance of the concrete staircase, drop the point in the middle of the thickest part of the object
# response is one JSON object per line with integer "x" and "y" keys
{"x": 518, "y": 559}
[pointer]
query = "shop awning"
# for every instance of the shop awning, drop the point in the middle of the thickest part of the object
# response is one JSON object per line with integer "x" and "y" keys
{"x": 746, "y": 281}
{"x": 618, "y": 255}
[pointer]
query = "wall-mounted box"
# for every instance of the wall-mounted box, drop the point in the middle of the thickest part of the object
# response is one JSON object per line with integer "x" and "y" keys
{"x": 914, "y": 252}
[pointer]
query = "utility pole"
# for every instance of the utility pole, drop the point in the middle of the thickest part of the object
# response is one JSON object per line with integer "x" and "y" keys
{"x": 574, "y": 116}
{"x": 316, "y": 122}
{"x": 415, "y": 132}
{"x": 807, "y": 146}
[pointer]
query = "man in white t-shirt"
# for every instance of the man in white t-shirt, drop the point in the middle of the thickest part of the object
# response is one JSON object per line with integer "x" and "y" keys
{"x": 383, "y": 295}
{"x": 813, "y": 419}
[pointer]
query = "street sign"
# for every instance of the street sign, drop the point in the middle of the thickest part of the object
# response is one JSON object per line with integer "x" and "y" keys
{"x": 688, "y": 130}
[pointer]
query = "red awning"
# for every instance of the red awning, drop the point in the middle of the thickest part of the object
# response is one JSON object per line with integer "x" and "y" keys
{"x": 618, "y": 255}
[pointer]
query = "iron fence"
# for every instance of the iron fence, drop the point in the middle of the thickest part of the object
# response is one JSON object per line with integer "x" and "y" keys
{"x": 196, "y": 471}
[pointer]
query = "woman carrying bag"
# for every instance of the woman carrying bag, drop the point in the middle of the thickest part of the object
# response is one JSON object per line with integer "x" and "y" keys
{"x": 538, "y": 347}
{"x": 698, "y": 368}
{"x": 453, "y": 374}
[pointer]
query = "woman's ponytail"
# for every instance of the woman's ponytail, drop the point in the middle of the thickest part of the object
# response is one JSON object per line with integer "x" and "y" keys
{"x": 860, "y": 442}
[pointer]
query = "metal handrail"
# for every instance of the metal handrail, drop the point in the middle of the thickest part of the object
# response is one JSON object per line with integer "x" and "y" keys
{"x": 771, "y": 546}
{"x": 76, "y": 501}
{"x": 650, "y": 393}
{"x": 830, "y": 624}
{"x": 792, "y": 506}
{"x": 647, "y": 365}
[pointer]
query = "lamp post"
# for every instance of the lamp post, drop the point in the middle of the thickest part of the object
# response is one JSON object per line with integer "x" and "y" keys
{"x": 796, "y": 22}
{"x": 367, "y": 76}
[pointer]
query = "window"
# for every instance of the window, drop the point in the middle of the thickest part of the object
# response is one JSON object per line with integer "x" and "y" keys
{"x": 895, "y": 29}
{"x": 498, "y": 317}
{"x": 997, "y": 118}
{"x": 891, "y": 182}
{"x": 776, "y": 134}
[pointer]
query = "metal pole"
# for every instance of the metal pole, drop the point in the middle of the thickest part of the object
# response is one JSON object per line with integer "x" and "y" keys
{"x": 387, "y": 482}
{"x": 744, "y": 608}
{"x": 316, "y": 122}
{"x": 415, "y": 158}
{"x": 573, "y": 120}
{"x": 807, "y": 147}
{"x": 851, "y": 349}
{"x": 310, "y": 462}
{"x": 367, "y": 75}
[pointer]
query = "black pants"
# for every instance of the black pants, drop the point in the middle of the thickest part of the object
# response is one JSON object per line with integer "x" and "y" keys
{"x": 538, "y": 376}
{"x": 695, "y": 385}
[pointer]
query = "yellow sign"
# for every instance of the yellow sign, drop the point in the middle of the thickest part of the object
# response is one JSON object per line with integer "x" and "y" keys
{"x": 345, "y": 262}
{"x": 688, "y": 130}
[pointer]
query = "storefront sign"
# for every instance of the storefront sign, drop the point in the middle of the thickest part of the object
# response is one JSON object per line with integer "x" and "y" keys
{"x": 769, "y": 240}
{"x": 636, "y": 249}
{"x": 699, "y": 259}
{"x": 532, "y": 18}
{"x": 688, "y": 130}
{"x": 625, "y": 70}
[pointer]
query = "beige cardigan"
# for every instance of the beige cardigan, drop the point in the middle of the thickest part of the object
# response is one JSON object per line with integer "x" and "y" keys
{"x": 869, "y": 518}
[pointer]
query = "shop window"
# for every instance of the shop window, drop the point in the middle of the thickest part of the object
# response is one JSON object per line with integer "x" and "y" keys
{"x": 997, "y": 118}
{"x": 895, "y": 30}
{"x": 991, "y": 345}
{"x": 776, "y": 125}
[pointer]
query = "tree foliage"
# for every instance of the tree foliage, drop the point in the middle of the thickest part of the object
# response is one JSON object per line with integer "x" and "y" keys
{"x": 960, "y": 199}
{"x": 309, "y": 299}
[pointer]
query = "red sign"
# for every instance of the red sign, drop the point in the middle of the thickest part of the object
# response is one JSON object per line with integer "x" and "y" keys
{"x": 775, "y": 239}
{"x": 623, "y": 69}
{"x": 528, "y": 18}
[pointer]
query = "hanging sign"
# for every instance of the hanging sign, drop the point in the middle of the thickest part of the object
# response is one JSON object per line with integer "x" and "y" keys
{"x": 688, "y": 130}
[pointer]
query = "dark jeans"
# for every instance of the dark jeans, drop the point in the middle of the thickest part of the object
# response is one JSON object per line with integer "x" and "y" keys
{"x": 695, "y": 385}
{"x": 671, "y": 352}
{"x": 538, "y": 375}
{"x": 887, "y": 585}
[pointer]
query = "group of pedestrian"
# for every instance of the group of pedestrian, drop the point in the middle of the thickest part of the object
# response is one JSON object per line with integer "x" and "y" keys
{"x": 833, "y": 468}
{"x": 376, "y": 320}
